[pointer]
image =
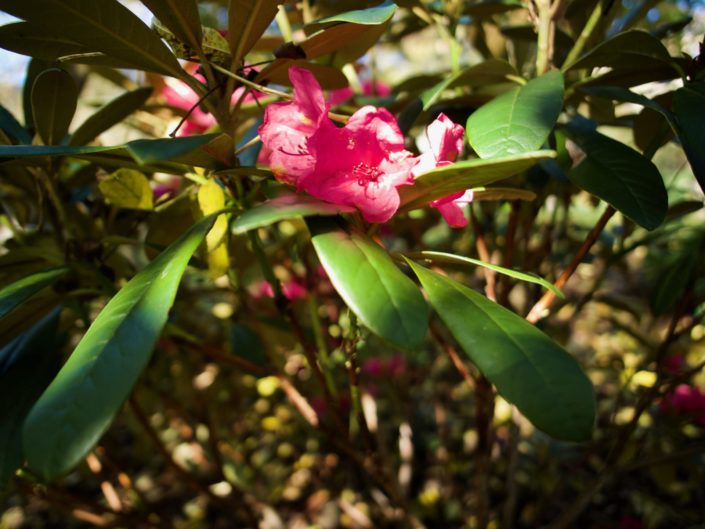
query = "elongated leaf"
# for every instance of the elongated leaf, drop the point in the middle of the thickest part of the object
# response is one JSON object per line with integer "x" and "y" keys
{"x": 12, "y": 127}
{"x": 527, "y": 368}
{"x": 631, "y": 49}
{"x": 383, "y": 298}
{"x": 37, "y": 41}
{"x": 285, "y": 207}
{"x": 34, "y": 363}
{"x": 105, "y": 26}
{"x": 181, "y": 17}
{"x": 487, "y": 8}
{"x": 81, "y": 402}
{"x": 688, "y": 105}
{"x": 247, "y": 21}
{"x": 521, "y": 276}
{"x": 111, "y": 114}
{"x": 518, "y": 121}
{"x": 142, "y": 151}
{"x": 54, "y": 99}
{"x": 371, "y": 16}
{"x": 460, "y": 176}
{"x": 619, "y": 175}
{"x": 18, "y": 292}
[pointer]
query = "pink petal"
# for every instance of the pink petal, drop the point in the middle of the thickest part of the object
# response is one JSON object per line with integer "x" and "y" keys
{"x": 446, "y": 138}
{"x": 452, "y": 208}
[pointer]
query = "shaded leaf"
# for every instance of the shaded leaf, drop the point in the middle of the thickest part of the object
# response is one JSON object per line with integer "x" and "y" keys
{"x": 487, "y": 8}
{"x": 18, "y": 292}
{"x": 109, "y": 115}
{"x": 527, "y": 368}
{"x": 688, "y": 107}
{"x": 81, "y": 402}
{"x": 54, "y": 99}
{"x": 127, "y": 188}
{"x": 518, "y": 121}
{"x": 358, "y": 268}
{"x": 12, "y": 127}
{"x": 247, "y": 21}
{"x": 105, "y": 26}
{"x": 460, "y": 176}
{"x": 37, "y": 41}
{"x": 619, "y": 175}
{"x": 285, "y": 207}
{"x": 33, "y": 364}
{"x": 181, "y": 17}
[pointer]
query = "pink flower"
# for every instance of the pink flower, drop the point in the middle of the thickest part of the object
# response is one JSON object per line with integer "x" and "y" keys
{"x": 686, "y": 400}
{"x": 361, "y": 164}
{"x": 292, "y": 290}
{"x": 446, "y": 142}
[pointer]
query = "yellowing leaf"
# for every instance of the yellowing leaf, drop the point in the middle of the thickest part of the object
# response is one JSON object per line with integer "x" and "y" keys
{"x": 127, "y": 188}
{"x": 211, "y": 198}
{"x": 218, "y": 261}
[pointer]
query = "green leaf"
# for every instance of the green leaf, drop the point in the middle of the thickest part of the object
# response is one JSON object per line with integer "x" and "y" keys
{"x": 109, "y": 115}
{"x": 247, "y": 21}
{"x": 127, "y": 188}
{"x": 633, "y": 49}
{"x": 527, "y": 368}
{"x": 487, "y": 8}
{"x": 285, "y": 207}
{"x": 460, "y": 176}
{"x": 54, "y": 98}
{"x": 150, "y": 151}
{"x": 81, "y": 402}
{"x": 12, "y": 127}
{"x": 105, "y": 26}
{"x": 32, "y": 364}
{"x": 181, "y": 17}
{"x": 371, "y": 16}
{"x": 37, "y": 41}
{"x": 383, "y": 298}
{"x": 518, "y": 121}
{"x": 619, "y": 175}
{"x": 688, "y": 105}
{"x": 18, "y": 292}
{"x": 457, "y": 259}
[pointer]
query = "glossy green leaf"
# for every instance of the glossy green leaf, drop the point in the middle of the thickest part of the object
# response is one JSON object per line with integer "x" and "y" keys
{"x": 54, "y": 99}
{"x": 518, "y": 121}
{"x": 460, "y": 176}
{"x": 689, "y": 110}
{"x": 109, "y": 115}
{"x": 631, "y": 49}
{"x": 285, "y": 207}
{"x": 371, "y": 16}
{"x": 527, "y": 368}
{"x": 18, "y": 292}
{"x": 104, "y": 26}
{"x": 10, "y": 126}
{"x": 181, "y": 17}
{"x": 619, "y": 175}
{"x": 386, "y": 301}
{"x": 31, "y": 362}
{"x": 247, "y": 21}
{"x": 457, "y": 259}
{"x": 81, "y": 402}
{"x": 127, "y": 188}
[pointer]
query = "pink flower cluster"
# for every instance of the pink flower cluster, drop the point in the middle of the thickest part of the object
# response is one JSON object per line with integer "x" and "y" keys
{"x": 361, "y": 164}
{"x": 686, "y": 400}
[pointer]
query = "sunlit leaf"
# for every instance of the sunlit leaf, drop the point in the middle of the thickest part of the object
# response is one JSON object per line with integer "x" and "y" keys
{"x": 211, "y": 198}
{"x": 16, "y": 293}
{"x": 518, "y": 121}
{"x": 127, "y": 188}
{"x": 527, "y": 368}
{"x": 247, "y": 21}
{"x": 285, "y": 207}
{"x": 54, "y": 99}
{"x": 81, "y": 402}
{"x": 180, "y": 16}
{"x": 443, "y": 181}
{"x": 386, "y": 301}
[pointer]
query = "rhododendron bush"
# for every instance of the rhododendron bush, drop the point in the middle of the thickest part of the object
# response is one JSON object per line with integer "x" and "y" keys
{"x": 351, "y": 264}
